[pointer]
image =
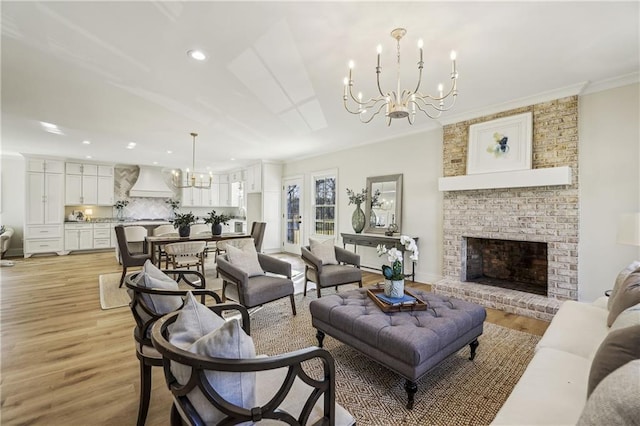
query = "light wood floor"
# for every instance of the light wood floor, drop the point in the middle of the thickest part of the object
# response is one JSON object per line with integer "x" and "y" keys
{"x": 67, "y": 362}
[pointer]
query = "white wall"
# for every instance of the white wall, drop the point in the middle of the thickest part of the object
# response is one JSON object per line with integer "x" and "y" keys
{"x": 419, "y": 158}
{"x": 12, "y": 196}
{"x": 609, "y": 163}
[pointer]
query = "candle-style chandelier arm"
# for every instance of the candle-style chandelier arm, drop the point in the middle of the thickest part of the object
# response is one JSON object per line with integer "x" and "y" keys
{"x": 363, "y": 107}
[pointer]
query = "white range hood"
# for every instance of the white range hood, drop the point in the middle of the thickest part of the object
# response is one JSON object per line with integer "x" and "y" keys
{"x": 151, "y": 183}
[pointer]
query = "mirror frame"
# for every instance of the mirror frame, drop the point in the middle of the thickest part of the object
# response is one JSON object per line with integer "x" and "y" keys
{"x": 398, "y": 213}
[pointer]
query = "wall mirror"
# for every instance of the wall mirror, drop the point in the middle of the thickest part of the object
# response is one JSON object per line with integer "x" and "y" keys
{"x": 384, "y": 204}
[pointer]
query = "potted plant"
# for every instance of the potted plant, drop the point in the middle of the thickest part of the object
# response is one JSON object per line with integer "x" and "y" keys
{"x": 216, "y": 221}
{"x": 394, "y": 274}
{"x": 183, "y": 222}
{"x": 357, "y": 219}
{"x": 174, "y": 205}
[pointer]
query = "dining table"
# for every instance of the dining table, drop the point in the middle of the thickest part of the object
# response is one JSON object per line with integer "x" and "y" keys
{"x": 153, "y": 242}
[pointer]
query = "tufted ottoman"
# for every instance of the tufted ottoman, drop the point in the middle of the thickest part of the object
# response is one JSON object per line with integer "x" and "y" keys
{"x": 410, "y": 343}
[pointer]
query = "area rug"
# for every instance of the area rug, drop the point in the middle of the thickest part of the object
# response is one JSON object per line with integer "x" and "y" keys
{"x": 112, "y": 296}
{"x": 457, "y": 392}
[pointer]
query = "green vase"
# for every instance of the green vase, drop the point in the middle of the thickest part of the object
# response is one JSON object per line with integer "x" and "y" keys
{"x": 358, "y": 219}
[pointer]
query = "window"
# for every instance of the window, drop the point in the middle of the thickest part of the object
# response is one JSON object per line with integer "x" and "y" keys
{"x": 324, "y": 204}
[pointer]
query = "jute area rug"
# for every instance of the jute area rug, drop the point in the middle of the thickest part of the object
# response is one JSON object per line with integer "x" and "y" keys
{"x": 456, "y": 392}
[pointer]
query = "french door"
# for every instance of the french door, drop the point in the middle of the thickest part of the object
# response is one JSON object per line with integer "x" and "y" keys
{"x": 292, "y": 226}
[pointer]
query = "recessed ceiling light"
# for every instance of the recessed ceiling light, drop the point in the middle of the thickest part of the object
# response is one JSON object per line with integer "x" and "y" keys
{"x": 198, "y": 55}
{"x": 155, "y": 163}
{"x": 169, "y": 152}
{"x": 86, "y": 142}
{"x": 88, "y": 156}
{"x": 232, "y": 159}
{"x": 131, "y": 145}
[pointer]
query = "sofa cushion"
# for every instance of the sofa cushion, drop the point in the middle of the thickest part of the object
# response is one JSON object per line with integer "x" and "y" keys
{"x": 614, "y": 401}
{"x": 577, "y": 328}
{"x": 552, "y": 391}
{"x": 323, "y": 250}
{"x": 194, "y": 321}
{"x": 628, "y": 317}
{"x": 620, "y": 279}
{"x": 245, "y": 259}
{"x": 627, "y": 296}
{"x": 228, "y": 341}
{"x": 617, "y": 349}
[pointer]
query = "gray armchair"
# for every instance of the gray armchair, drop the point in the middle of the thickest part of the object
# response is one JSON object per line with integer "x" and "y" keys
{"x": 260, "y": 289}
{"x": 347, "y": 271}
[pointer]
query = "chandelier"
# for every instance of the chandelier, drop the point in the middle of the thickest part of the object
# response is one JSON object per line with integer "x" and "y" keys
{"x": 401, "y": 104}
{"x": 192, "y": 178}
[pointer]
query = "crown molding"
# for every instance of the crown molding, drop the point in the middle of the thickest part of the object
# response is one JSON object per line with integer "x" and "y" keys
{"x": 611, "y": 83}
{"x": 550, "y": 95}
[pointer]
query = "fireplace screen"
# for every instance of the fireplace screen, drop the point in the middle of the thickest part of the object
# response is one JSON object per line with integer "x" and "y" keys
{"x": 516, "y": 265}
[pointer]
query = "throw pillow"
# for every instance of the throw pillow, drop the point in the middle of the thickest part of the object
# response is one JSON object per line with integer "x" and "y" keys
{"x": 231, "y": 342}
{"x": 614, "y": 401}
{"x": 620, "y": 279}
{"x": 152, "y": 277}
{"x": 245, "y": 259}
{"x": 194, "y": 321}
{"x": 628, "y": 295}
{"x": 324, "y": 250}
{"x": 628, "y": 317}
{"x": 617, "y": 349}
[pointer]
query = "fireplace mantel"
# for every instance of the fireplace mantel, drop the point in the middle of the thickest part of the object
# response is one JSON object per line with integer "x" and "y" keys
{"x": 514, "y": 179}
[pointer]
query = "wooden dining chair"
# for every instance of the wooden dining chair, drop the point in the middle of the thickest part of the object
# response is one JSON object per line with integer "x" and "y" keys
{"x": 127, "y": 258}
{"x": 186, "y": 255}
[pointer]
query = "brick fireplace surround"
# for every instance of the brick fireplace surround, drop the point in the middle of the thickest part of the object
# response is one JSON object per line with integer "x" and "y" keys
{"x": 547, "y": 214}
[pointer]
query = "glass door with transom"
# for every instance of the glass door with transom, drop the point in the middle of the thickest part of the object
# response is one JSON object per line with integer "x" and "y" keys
{"x": 292, "y": 202}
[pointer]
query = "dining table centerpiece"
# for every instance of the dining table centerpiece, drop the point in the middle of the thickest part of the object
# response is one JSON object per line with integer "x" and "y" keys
{"x": 216, "y": 221}
{"x": 394, "y": 273}
{"x": 182, "y": 222}
{"x": 357, "y": 218}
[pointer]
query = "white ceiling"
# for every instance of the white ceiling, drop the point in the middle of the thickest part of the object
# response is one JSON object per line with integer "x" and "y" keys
{"x": 271, "y": 88}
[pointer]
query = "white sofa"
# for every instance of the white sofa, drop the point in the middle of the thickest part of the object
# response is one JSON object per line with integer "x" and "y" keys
{"x": 553, "y": 388}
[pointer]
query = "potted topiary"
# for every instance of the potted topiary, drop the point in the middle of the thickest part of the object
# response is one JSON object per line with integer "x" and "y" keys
{"x": 216, "y": 221}
{"x": 183, "y": 222}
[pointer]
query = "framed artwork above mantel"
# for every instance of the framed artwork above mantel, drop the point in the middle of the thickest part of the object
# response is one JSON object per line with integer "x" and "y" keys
{"x": 500, "y": 145}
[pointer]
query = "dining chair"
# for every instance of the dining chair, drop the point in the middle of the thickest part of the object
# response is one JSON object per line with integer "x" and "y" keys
{"x": 257, "y": 233}
{"x": 186, "y": 254}
{"x": 203, "y": 228}
{"x": 163, "y": 231}
{"x": 136, "y": 238}
{"x": 149, "y": 302}
{"x": 127, "y": 258}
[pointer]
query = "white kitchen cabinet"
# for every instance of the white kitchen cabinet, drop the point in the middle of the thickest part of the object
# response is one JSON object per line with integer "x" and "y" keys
{"x": 254, "y": 179}
{"x": 235, "y": 176}
{"x": 44, "y": 210}
{"x": 78, "y": 236}
{"x": 105, "y": 190}
{"x": 215, "y": 194}
{"x": 88, "y": 184}
{"x": 101, "y": 235}
{"x": 81, "y": 184}
{"x": 266, "y": 206}
{"x": 224, "y": 195}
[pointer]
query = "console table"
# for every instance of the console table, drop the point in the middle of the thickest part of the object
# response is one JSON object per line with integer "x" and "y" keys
{"x": 372, "y": 240}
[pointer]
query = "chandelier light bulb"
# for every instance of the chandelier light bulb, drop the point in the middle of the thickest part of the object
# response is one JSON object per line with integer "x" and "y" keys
{"x": 420, "y": 43}
{"x": 346, "y": 81}
{"x": 453, "y": 55}
{"x": 351, "y": 65}
{"x": 379, "y": 49}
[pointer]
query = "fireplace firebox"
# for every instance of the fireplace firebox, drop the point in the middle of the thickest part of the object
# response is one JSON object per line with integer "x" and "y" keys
{"x": 516, "y": 265}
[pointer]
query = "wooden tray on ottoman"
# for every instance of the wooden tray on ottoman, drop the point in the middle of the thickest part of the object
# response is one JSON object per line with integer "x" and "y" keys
{"x": 418, "y": 306}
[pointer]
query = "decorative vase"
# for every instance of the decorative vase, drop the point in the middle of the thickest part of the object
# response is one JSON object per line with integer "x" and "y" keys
{"x": 184, "y": 231}
{"x": 216, "y": 229}
{"x": 373, "y": 219}
{"x": 358, "y": 219}
{"x": 394, "y": 288}
{"x": 172, "y": 214}
{"x": 120, "y": 214}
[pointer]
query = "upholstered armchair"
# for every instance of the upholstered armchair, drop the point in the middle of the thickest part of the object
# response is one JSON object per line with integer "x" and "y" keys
{"x": 150, "y": 300}
{"x": 215, "y": 376}
{"x": 5, "y": 240}
{"x": 330, "y": 267}
{"x": 263, "y": 280}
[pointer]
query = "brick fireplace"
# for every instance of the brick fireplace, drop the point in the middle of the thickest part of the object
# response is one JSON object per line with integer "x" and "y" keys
{"x": 545, "y": 215}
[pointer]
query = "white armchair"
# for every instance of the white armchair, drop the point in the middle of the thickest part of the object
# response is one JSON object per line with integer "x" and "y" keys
{"x": 5, "y": 240}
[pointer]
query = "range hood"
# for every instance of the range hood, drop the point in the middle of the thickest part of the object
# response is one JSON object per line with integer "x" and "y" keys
{"x": 151, "y": 183}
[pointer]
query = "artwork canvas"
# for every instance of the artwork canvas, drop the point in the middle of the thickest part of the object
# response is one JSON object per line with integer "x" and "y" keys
{"x": 500, "y": 145}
